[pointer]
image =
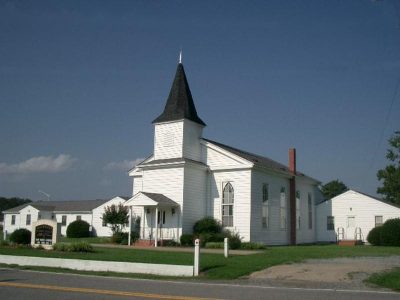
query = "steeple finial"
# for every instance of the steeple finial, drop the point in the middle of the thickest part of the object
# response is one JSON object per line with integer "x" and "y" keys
{"x": 180, "y": 56}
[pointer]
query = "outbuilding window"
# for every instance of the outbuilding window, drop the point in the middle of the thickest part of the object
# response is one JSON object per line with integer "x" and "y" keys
{"x": 227, "y": 205}
{"x": 13, "y": 220}
{"x": 28, "y": 219}
{"x": 78, "y": 218}
{"x": 378, "y": 221}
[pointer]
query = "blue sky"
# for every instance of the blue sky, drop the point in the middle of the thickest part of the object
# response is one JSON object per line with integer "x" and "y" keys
{"x": 81, "y": 81}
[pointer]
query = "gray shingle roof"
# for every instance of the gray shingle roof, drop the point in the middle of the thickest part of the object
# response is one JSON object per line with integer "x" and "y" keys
{"x": 161, "y": 199}
{"x": 67, "y": 206}
{"x": 258, "y": 159}
{"x": 180, "y": 103}
{"x": 169, "y": 160}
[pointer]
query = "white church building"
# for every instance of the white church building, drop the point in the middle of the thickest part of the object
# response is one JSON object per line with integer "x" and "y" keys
{"x": 189, "y": 177}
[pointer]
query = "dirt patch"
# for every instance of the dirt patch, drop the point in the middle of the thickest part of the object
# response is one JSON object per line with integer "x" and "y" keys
{"x": 338, "y": 272}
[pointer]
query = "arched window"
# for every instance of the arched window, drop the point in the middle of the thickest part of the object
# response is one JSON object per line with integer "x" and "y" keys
{"x": 227, "y": 205}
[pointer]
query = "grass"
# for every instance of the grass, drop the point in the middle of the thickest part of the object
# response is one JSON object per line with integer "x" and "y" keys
{"x": 90, "y": 240}
{"x": 214, "y": 266}
{"x": 389, "y": 279}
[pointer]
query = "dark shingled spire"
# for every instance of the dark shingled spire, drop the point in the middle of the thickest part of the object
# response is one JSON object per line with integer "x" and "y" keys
{"x": 180, "y": 103}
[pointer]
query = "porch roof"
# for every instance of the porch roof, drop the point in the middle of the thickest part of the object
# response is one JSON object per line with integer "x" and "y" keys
{"x": 150, "y": 199}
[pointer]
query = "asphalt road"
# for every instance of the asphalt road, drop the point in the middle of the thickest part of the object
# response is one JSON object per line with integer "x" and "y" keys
{"x": 17, "y": 284}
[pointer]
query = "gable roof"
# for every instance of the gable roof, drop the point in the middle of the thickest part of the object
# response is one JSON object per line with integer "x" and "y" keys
{"x": 259, "y": 160}
{"x": 364, "y": 194}
{"x": 67, "y": 206}
{"x": 180, "y": 103}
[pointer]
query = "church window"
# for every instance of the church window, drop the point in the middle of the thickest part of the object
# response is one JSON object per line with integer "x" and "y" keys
{"x": 283, "y": 208}
{"x": 265, "y": 203}
{"x": 310, "y": 216}
{"x": 227, "y": 205}
{"x": 297, "y": 209}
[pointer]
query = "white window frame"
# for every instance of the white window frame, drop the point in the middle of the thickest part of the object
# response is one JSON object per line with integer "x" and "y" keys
{"x": 282, "y": 208}
{"x": 28, "y": 219}
{"x": 310, "y": 213}
{"x": 265, "y": 206}
{"x": 379, "y": 224}
{"x": 230, "y": 205}
{"x": 298, "y": 213}
{"x": 13, "y": 219}
{"x": 332, "y": 227}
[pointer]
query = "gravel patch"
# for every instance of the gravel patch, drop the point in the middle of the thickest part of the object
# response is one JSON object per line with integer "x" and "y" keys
{"x": 337, "y": 273}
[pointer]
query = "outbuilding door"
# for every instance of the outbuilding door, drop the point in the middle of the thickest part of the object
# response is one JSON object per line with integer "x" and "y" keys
{"x": 351, "y": 227}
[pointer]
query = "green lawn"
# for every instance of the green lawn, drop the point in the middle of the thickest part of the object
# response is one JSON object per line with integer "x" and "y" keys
{"x": 91, "y": 240}
{"x": 389, "y": 279}
{"x": 214, "y": 266}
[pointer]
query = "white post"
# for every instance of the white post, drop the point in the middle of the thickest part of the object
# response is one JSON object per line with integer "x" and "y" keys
{"x": 156, "y": 235}
{"x": 226, "y": 247}
{"x": 196, "y": 268}
{"x": 130, "y": 225}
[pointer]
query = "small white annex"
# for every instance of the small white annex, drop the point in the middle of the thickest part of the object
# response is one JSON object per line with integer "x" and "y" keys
{"x": 64, "y": 212}
{"x": 351, "y": 215}
{"x": 188, "y": 177}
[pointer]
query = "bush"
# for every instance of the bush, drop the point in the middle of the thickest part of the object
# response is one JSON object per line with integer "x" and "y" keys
{"x": 170, "y": 243}
{"x": 390, "y": 233}
{"x": 215, "y": 245}
{"x": 252, "y": 246}
{"x": 374, "y": 236}
{"x": 186, "y": 240}
{"x": 211, "y": 238}
{"x": 235, "y": 241}
{"x": 21, "y": 236}
{"x": 207, "y": 225}
{"x": 135, "y": 235}
{"x": 73, "y": 247}
{"x": 120, "y": 238}
{"x": 78, "y": 229}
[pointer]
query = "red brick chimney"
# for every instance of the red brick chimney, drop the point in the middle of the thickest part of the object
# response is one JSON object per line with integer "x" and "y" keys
{"x": 292, "y": 160}
{"x": 292, "y": 195}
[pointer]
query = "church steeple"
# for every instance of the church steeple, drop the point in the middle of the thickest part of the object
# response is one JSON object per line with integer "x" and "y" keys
{"x": 180, "y": 103}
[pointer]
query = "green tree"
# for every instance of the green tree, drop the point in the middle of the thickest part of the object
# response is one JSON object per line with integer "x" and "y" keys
{"x": 333, "y": 188}
{"x": 390, "y": 176}
{"x": 116, "y": 216}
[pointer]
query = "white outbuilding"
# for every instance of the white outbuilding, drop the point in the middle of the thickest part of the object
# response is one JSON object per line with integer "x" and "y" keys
{"x": 351, "y": 216}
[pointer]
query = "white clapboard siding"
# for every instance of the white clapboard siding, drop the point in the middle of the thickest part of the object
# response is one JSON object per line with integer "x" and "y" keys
{"x": 137, "y": 185}
{"x": 98, "y": 228}
{"x": 191, "y": 140}
{"x": 194, "y": 196}
{"x": 71, "y": 217}
{"x": 273, "y": 234}
{"x": 241, "y": 182}
{"x": 352, "y": 204}
{"x": 168, "y": 140}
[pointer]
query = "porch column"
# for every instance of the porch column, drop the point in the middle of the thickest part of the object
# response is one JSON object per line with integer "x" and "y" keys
{"x": 156, "y": 235}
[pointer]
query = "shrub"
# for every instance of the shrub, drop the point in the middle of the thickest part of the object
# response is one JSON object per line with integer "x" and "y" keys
{"x": 207, "y": 225}
{"x": 134, "y": 236}
{"x": 186, "y": 240}
{"x": 235, "y": 240}
{"x": 81, "y": 247}
{"x": 61, "y": 247}
{"x": 211, "y": 238}
{"x": 390, "y": 233}
{"x": 252, "y": 246}
{"x": 374, "y": 236}
{"x": 120, "y": 238}
{"x": 73, "y": 247}
{"x": 21, "y": 236}
{"x": 170, "y": 243}
{"x": 4, "y": 243}
{"x": 78, "y": 229}
{"x": 215, "y": 245}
